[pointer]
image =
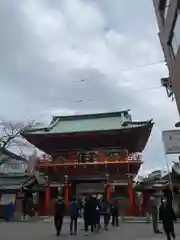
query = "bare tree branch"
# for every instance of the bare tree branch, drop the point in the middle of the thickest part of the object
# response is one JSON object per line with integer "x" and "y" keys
{"x": 10, "y": 134}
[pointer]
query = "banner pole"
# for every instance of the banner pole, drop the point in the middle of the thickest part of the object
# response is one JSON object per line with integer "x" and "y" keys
{"x": 164, "y": 139}
{"x": 169, "y": 175}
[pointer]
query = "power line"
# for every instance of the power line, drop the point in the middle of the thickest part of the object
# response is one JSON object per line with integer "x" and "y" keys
{"x": 83, "y": 80}
{"x": 148, "y": 89}
{"x": 91, "y": 98}
{"x": 79, "y": 81}
{"x": 142, "y": 66}
{"x": 136, "y": 90}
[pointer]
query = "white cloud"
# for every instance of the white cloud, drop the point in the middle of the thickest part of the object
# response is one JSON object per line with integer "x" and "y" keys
{"x": 49, "y": 47}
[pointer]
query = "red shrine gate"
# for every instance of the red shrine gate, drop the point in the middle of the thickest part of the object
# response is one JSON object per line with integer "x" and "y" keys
{"x": 100, "y": 147}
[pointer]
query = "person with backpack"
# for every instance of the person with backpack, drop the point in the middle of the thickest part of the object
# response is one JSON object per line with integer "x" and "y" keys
{"x": 74, "y": 214}
{"x": 59, "y": 212}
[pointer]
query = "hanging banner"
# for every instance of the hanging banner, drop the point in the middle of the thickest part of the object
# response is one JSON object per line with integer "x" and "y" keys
{"x": 171, "y": 140}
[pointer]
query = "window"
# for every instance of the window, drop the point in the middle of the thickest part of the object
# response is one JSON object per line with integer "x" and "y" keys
{"x": 162, "y": 4}
{"x": 175, "y": 36}
{"x": 23, "y": 166}
{"x": 163, "y": 8}
{"x": 166, "y": 8}
{"x": 16, "y": 166}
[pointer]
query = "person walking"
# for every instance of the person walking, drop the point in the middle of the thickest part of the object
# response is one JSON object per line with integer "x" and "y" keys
{"x": 74, "y": 214}
{"x": 154, "y": 213}
{"x": 86, "y": 215}
{"x": 97, "y": 215}
{"x": 167, "y": 216}
{"x": 59, "y": 212}
{"x": 80, "y": 203}
{"x": 89, "y": 214}
{"x": 106, "y": 210}
{"x": 115, "y": 214}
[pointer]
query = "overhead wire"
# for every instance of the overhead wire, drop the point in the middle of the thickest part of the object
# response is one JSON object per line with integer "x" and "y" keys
{"x": 142, "y": 66}
{"x": 135, "y": 90}
{"x": 83, "y": 80}
{"x": 127, "y": 70}
{"x": 148, "y": 89}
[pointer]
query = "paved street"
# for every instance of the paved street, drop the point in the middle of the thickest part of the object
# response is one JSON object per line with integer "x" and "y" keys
{"x": 45, "y": 230}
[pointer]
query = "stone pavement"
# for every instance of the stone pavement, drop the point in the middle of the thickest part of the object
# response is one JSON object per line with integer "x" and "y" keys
{"x": 45, "y": 231}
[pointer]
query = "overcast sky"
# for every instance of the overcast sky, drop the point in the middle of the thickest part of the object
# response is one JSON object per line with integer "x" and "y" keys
{"x": 69, "y": 56}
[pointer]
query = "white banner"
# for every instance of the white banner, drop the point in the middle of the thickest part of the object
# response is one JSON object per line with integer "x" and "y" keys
{"x": 171, "y": 140}
{"x": 7, "y": 198}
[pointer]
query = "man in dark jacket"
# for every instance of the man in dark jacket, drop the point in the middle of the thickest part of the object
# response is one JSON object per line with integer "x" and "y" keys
{"x": 167, "y": 216}
{"x": 115, "y": 213}
{"x": 74, "y": 214}
{"x": 59, "y": 212}
{"x": 89, "y": 214}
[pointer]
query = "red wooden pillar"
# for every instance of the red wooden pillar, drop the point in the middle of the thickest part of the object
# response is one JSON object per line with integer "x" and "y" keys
{"x": 67, "y": 186}
{"x": 131, "y": 195}
{"x": 107, "y": 188}
{"x": 47, "y": 198}
{"x": 108, "y": 191}
{"x": 66, "y": 191}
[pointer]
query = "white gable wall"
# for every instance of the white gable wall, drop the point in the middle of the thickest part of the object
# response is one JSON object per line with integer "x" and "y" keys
{"x": 13, "y": 166}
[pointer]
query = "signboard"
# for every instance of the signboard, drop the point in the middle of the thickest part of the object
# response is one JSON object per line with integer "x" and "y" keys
{"x": 7, "y": 198}
{"x": 171, "y": 140}
{"x": 84, "y": 188}
{"x": 89, "y": 156}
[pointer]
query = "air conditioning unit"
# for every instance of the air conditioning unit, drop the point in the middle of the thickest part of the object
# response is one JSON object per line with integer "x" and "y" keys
{"x": 166, "y": 82}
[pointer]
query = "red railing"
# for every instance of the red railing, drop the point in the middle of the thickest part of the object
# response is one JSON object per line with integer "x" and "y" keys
{"x": 101, "y": 159}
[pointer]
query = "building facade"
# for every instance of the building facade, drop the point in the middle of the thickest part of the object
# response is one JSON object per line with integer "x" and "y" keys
{"x": 12, "y": 163}
{"x": 13, "y": 166}
{"x": 168, "y": 19}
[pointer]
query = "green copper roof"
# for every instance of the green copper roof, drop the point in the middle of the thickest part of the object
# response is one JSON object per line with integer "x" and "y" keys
{"x": 88, "y": 123}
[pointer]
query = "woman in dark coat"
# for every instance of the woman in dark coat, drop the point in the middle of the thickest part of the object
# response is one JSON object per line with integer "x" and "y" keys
{"x": 167, "y": 216}
{"x": 89, "y": 214}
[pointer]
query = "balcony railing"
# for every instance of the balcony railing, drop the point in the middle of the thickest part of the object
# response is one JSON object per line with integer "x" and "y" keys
{"x": 101, "y": 160}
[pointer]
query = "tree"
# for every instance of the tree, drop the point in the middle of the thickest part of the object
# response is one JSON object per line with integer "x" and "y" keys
{"x": 10, "y": 135}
